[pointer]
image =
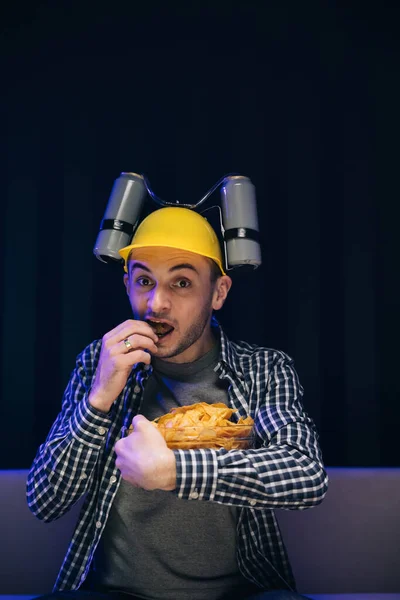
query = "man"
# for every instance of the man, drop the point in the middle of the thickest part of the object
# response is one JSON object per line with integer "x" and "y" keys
{"x": 165, "y": 524}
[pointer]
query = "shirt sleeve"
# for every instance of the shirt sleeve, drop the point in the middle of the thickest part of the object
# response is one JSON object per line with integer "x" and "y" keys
{"x": 284, "y": 470}
{"x": 64, "y": 464}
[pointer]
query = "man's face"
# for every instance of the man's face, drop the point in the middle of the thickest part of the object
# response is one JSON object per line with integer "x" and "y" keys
{"x": 174, "y": 287}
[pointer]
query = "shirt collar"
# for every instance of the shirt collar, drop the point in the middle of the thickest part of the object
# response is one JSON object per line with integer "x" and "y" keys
{"x": 227, "y": 351}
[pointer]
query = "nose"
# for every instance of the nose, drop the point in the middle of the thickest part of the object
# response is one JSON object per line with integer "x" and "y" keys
{"x": 158, "y": 300}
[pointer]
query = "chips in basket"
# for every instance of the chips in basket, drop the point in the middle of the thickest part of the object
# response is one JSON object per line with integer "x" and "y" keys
{"x": 204, "y": 425}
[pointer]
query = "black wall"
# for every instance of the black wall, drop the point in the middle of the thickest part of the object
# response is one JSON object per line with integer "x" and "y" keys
{"x": 302, "y": 97}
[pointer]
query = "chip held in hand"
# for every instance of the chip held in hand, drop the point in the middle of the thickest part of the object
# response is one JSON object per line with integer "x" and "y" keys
{"x": 203, "y": 425}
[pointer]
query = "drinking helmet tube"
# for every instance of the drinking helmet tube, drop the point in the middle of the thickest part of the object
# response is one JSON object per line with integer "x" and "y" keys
{"x": 240, "y": 222}
{"x": 121, "y": 216}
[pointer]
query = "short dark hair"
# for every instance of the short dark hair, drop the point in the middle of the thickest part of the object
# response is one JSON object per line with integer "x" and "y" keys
{"x": 215, "y": 271}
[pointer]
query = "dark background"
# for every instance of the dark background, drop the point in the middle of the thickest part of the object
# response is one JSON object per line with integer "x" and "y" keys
{"x": 302, "y": 97}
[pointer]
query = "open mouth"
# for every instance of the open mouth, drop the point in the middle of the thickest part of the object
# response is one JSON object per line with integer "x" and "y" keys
{"x": 160, "y": 329}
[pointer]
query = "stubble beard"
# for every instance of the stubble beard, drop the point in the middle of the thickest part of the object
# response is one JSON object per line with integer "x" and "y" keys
{"x": 191, "y": 337}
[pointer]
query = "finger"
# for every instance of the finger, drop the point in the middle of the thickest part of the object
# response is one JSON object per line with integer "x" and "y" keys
{"x": 128, "y": 328}
{"x": 139, "y": 422}
{"x": 117, "y": 447}
{"x": 132, "y": 358}
{"x": 118, "y": 463}
{"x": 140, "y": 327}
{"x": 121, "y": 445}
{"x": 135, "y": 342}
{"x": 115, "y": 331}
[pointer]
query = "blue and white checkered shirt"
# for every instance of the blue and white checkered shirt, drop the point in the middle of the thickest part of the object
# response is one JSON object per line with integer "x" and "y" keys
{"x": 284, "y": 471}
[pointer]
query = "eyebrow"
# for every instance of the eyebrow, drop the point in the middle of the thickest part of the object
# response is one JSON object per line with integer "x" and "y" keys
{"x": 138, "y": 265}
{"x": 184, "y": 266}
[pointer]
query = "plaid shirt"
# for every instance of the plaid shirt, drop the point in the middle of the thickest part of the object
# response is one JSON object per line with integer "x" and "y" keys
{"x": 284, "y": 471}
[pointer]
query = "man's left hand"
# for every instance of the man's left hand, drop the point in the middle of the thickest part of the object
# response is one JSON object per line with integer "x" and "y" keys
{"x": 144, "y": 458}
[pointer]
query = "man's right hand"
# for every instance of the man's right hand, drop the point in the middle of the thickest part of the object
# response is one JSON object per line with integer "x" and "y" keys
{"x": 116, "y": 360}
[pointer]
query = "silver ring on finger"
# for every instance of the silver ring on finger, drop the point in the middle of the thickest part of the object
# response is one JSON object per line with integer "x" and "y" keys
{"x": 128, "y": 344}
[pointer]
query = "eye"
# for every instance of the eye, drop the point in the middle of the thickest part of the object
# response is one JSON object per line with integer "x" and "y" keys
{"x": 143, "y": 281}
{"x": 182, "y": 283}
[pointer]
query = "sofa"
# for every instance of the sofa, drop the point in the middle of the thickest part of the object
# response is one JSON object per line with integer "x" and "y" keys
{"x": 347, "y": 548}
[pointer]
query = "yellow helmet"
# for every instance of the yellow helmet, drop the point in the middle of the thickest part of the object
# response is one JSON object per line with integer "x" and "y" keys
{"x": 176, "y": 227}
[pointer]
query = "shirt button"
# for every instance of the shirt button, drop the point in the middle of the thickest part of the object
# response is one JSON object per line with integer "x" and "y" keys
{"x": 194, "y": 495}
{"x": 113, "y": 479}
{"x": 98, "y": 524}
{"x": 252, "y": 502}
{"x": 136, "y": 389}
{"x": 146, "y": 367}
{"x": 83, "y": 476}
{"x": 101, "y": 431}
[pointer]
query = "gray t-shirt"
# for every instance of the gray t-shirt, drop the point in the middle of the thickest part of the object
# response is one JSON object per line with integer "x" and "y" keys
{"x": 156, "y": 545}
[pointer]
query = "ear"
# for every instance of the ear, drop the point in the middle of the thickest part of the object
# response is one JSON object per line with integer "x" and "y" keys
{"x": 126, "y": 282}
{"x": 222, "y": 287}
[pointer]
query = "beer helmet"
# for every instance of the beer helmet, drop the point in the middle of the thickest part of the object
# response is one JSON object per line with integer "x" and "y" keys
{"x": 181, "y": 226}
